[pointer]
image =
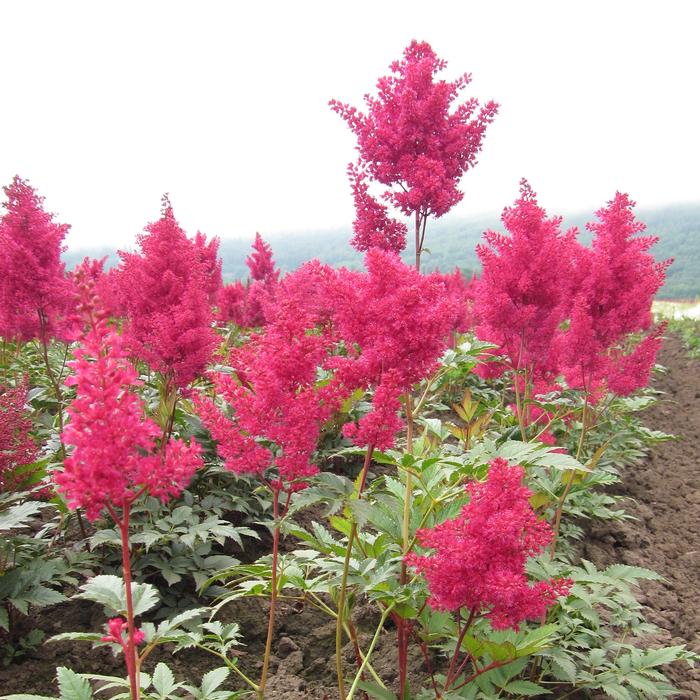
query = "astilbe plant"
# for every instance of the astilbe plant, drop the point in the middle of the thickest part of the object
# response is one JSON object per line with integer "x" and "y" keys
{"x": 166, "y": 291}
{"x": 115, "y": 455}
{"x": 524, "y": 293}
{"x": 616, "y": 281}
{"x": 35, "y": 296}
{"x": 277, "y": 408}
{"x": 478, "y": 563}
{"x": 415, "y": 141}
{"x": 244, "y": 304}
{"x": 16, "y": 445}
{"x": 395, "y": 324}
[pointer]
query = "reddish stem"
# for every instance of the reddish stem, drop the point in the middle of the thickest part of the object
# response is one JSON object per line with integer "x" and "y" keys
{"x": 273, "y": 596}
{"x": 130, "y": 650}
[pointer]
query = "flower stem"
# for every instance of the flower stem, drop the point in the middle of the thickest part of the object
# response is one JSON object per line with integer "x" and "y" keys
{"x": 342, "y": 596}
{"x": 273, "y": 595}
{"x": 131, "y": 666}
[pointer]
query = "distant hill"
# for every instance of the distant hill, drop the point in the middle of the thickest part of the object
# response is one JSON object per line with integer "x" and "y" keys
{"x": 452, "y": 243}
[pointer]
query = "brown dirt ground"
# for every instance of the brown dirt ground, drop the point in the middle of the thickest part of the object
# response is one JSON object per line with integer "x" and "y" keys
{"x": 664, "y": 497}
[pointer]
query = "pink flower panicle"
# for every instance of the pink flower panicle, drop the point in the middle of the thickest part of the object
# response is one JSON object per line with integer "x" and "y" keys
{"x": 410, "y": 139}
{"x": 16, "y": 445}
{"x": 244, "y": 303}
{"x": 278, "y": 404}
{"x": 479, "y": 558}
{"x": 616, "y": 281}
{"x": 35, "y": 295}
{"x": 524, "y": 293}
{"x": 260, "y": 262}
{"x": 396, "y": 324}
{"x": 372, "y": 226}
{"x": 166, "y": 292}
{"x": 208, "y": 254}
{"x": 115, "y": 452}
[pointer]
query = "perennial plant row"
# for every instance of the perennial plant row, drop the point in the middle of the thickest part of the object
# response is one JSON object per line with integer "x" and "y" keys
{"x": 446, "y": 434}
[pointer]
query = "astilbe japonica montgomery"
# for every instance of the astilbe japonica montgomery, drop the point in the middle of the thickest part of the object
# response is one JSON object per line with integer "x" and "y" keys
{"x": 395, "y": 323}
{"x": 373, "y": 227}
{"x": 479, "y": 557}
{"x": 616, "y": 280}
{"x": 525, "y": 289}
{"x": 115, "y": 455}
{"x": 35, "y": 295}
{"x": 244, "y": 304}
{"x": 17, "y": 448}
{"x": 415, "y": 141}
{"x": 166, "y": 290}
{"x": 277, "y": 407}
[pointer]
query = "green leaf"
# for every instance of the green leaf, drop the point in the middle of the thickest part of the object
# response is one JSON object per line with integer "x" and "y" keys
{"x": 616, "y": 691}
{"x": 18, "y": 516}
{"x": 110, "y": 592}
{"x": 104, "y": 589}
{"x": 527, "y": 688}
{"x": 4, "y": 619}
{"x": 213, "y": 679}
{"x": 500, "y": 652}
{"x": 25, "y": 697}
{"x": 41, "y": 596}
{"x": 163, "y": 681}
{"x": 660, "y": 657}
{"x": 73, "y": 686}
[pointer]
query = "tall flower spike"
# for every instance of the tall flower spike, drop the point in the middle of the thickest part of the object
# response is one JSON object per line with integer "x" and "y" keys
{"x": 396, "y": 324}
{"x": 16, "y": 445}
{"x": 412, "y": 140}
{"x": 616, "y": 281}
{"x": 277, "y": 404}
{"x": 115, "y": 453}
{"x": 166, "y": 291}
{"x": 524, "y": 292}
{"x": 35, "y": 296}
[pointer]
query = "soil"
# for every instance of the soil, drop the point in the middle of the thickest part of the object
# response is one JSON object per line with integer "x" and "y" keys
{"x": 664, "y": 498}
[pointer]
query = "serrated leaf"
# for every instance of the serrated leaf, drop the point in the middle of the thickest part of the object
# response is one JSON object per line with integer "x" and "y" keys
{"x": 616, "y": 691}
{"x": 163, "y": 681}
{"x": 110, "y": 591}
{"x": 73, "y": 686}
{"x": 527, "y": 688}
{"x": 18, "y": 516}
{"x": 213, "y": 679}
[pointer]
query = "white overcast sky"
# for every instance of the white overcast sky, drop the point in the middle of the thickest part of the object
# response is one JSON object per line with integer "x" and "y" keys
{"x": 106, "y": 105}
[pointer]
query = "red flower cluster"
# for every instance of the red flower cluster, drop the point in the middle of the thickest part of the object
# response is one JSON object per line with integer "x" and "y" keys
{"x": 616, "y": 281}
{"x": 35, "y": 296}
{"x": 555, "y": 307}
{"x": 410, "y": 139}
{"x": 395, "y": 323}
{"x": 373, "y": 227}
{"x": 479, "y": 559}
{"x": 166, "y": 292}
{"x": 16, "y": 446}
{"x": 524, "y": 293}
{"x": 115, "y": 453}
{"x": 244, "y": 304}
{"x": 278, "y": 404}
